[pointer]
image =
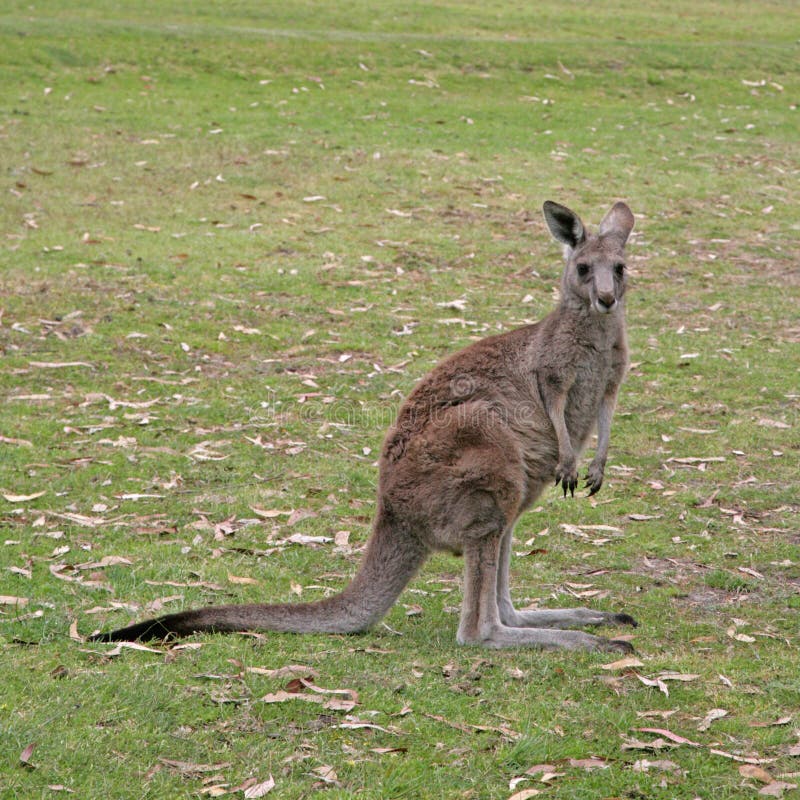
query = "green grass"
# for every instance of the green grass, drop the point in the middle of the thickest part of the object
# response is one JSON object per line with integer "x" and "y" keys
{"x": 187, "y": 334}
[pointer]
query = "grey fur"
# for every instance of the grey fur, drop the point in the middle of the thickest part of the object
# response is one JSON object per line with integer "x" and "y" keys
{"x": 473, "y": 446}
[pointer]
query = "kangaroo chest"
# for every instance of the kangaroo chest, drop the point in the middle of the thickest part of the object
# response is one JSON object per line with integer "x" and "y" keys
{"x": 593, "y": 374}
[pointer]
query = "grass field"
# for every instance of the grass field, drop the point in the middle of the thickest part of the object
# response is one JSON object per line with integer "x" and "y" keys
{"x": 234, "y": 235}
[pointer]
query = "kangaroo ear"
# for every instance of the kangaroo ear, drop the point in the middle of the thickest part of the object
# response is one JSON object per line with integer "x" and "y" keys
{"x": 565, "y": 225}
{"x": 617, "y": 222}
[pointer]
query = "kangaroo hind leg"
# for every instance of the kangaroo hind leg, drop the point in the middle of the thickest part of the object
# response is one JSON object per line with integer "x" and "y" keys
{"x": 480, "y": 615}
{"x": 548, "y": 617}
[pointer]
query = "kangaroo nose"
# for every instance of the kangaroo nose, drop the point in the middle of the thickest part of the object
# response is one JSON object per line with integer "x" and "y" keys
{"x": 606, "y": 300}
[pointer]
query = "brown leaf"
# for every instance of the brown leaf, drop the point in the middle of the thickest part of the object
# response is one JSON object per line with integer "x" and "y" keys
{"x": 623, "y": 663}
{"x": 658, "y": 683}
{"x": 665, "y": 765}
{"x": 300, "y": 514}
{"x": 259, "y": 789}
{"x": 241, "y": 580}
{"x": 188, "y": 768}
{"x": 25, "y": 755}
{"x": 282, "y": 696}
{"x": 776, "y": 789}
{"x": 290, "y": 670}
{"x": 741, "y": 759}
{"x": 524, "y": 794}
{"x": 589, "y": 764}
{"x": 351, "y": 693}
{"x": 22, "y": 498}
{"x": 9, "y": 600}
{"x": 755, "y": 772}
{"x": 780, "y": 721}
{"x": 326, "y": 773}
{"x": 673, "y": 737}
{"x": 713, "y": 715}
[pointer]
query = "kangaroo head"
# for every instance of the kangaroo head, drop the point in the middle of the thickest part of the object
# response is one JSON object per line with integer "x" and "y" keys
{"x": 595, "y": 273}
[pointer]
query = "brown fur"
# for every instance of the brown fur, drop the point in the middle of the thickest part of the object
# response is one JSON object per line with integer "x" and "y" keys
{"x": 473, "y": 446}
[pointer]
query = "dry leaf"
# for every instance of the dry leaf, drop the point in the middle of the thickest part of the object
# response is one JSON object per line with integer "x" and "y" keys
{"x": 259, "y": 789}
{"x": 678, "y": 676}
{"x": 188, "y": 768}
{"x": 326, "y": 773}
{"x": 665, "y": 765}
{"x": 25, "y": 755}
{"x": 22, "y": 498}
{"x": 289, "y": 671}
{"x": 741, "y": 759}
{"x": 282, "y": 696}
{"x": 713, "y": 715}
{"x": 623, "y": 663}
{"x": 776, "y": 789}
{"x": 351, "y": 693}
{"x": 241, "y": 580}
{"x": 353, "y": 723}
{"x": 524, "y": 794}
{"x": 9, "y": 600}
{"x": 589, "y": 763}
{"x": 130, "y": 646}
{"x": 658, "y": 683}
{"x": 755, "y": 772}
{"x": 673, "y": 737}
{"x": 781, "y": 721}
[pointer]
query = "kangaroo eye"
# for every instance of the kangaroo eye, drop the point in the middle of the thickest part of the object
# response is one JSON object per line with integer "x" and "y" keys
{"x": 619, "y": 269}
{"x": 583, "y": 270}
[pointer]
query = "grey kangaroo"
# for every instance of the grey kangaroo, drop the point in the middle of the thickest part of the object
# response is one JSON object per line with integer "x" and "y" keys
{"x": 473, "y": 446}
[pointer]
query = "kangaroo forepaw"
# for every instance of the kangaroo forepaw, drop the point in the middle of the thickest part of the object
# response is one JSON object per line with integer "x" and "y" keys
{"x": 568, "y": 478}
{"x": 624, "y": 619}
{"x": 594, "y": 478}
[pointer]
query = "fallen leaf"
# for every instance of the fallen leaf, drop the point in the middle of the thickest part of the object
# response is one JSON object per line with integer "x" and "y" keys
{"x": 351, "y": 693}
{"x": 353, "y": 723}
{"x": 189, "y": 768}
{"x": 241, "y": 579}
{"x": 780, "y": 721}
{"x": 673, "y": 737}
{"x": 776, "y": 789}
{"x": 589, "y": 763}
{"x": 657, "y": 683}
{"x": 623, "y": 663}
{"x": 524, "y": 794}
{"x": 537, "y": 768}
{"x": 713, "y": 715}
{"x": 755, "y": 772}
{"x": 25, "y": 755}
{"x": 326, "y": 773}
{"x": 130, "y": 646}
{"x": 23, "y": 498}
{"x": 259, "y": 789}
{"x": 741, "y": 759}
{"x": 678, "y": 676}
{"x": 282, "y": 696}
{"x": 9, "y": 600}
{"x": 289, "y": 671}
{"x": 636, "y": 744}
{"x": 665, "y": 765}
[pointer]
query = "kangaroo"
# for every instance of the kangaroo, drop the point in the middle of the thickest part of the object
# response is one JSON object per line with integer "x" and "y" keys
{"x": 473, "y": 446}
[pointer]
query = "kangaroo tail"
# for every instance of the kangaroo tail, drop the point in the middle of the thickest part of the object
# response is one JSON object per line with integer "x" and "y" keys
{"x": 390, "y": 561}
